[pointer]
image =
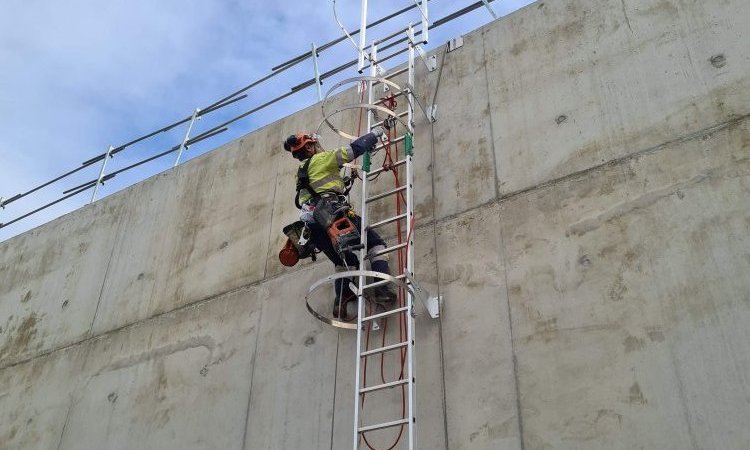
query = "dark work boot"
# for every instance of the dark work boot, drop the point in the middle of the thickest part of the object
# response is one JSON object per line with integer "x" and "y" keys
{"x": 383, "y": 295}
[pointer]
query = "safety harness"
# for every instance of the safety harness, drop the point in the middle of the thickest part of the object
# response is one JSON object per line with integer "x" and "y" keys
{"x": 303, "y": 183}
{"x": 331, "y": 211}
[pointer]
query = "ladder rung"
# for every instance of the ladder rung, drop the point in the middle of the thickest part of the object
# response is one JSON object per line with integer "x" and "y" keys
{"x": 382, "y": 386}
{"x": 392, "y": 141}
{"x": 387, "y": 250}
{"x": 387, "y": 313}
{"x": 386, "y": 194}
{"x": 386, "y": 221}
{"x": 396, "y": 164}
{"x": 387, "y": 348}
{"x": 379, "y": 426}
{"x": 381, "y": 282}
{"x": 401, "y": 114}
{"x": 392, "y": 75}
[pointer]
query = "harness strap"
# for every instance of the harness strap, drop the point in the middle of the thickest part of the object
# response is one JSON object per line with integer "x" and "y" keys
{"x": 303, "y": 182}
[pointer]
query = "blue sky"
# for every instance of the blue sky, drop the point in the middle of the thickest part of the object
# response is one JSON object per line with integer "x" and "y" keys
{"x": 80, "y": 75}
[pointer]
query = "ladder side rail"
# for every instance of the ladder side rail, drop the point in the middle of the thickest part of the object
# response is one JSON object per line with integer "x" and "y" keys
{"x": 363, "y": 253}
{"x": 410, "y": 248}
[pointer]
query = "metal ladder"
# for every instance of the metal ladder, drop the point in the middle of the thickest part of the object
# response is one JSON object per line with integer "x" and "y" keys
{"x": 405, "y": 276}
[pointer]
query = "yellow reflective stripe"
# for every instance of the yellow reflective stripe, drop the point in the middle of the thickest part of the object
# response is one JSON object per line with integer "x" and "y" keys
{"x": 321, "y": 184}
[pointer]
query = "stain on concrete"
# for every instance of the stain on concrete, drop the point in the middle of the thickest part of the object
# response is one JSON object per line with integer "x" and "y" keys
{"x": 199, "y": 341}
{"x": 561, "y": 119}
{"x": 592, "y": 425}
{"x": 112, "y": 397}
{"x": 519, "y": 47}
{"x": 21, "y": 339}
{"x": 546, "y": 329}
{"x": 309, "y": 341}
{"x": 635, "y": 396}
{"x": 618, "y": 289}
{"x": 633, "y": 343}
{"x": 641, "y": 202}
{"x": 26, "y": 297}
{"x": 665, "y": 8}
{"x": 492, "y": 432}
{"x": 655, "y": 334}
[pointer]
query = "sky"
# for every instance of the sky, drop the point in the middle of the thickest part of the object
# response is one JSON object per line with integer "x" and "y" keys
{"x": 80, "y": 75}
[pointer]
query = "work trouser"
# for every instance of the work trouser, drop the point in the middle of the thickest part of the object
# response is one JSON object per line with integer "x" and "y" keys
{"x": 350, "y": 261}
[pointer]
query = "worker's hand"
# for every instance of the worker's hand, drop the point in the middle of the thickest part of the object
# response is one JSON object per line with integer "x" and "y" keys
{"x": 378, "y": 131}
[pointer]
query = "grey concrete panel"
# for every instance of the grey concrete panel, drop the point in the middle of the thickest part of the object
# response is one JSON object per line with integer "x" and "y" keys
{"x": 35, "y": 398}
{"x": 600, "y": 80}
{"x": 480, "y": 392}
{"x": 629, "y": 301}
{"x": 181, "y": 380}
{"x": 51, "y": 278}
{"x": 291, "y": 403}
{"x": 464, "y": 159}
{"x": 193, "y": 233}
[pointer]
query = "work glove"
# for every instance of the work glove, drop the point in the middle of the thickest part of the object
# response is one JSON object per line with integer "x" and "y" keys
{"x": 378, "y": 131}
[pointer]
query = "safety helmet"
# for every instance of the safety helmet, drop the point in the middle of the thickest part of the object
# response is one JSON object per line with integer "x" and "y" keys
{"x": 298, "y": 141}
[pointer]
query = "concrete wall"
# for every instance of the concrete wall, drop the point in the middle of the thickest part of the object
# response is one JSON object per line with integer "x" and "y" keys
{"x": 589, "y": 228}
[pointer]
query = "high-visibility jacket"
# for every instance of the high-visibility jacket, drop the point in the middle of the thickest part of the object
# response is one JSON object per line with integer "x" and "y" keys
{"x": 325, "y": 172}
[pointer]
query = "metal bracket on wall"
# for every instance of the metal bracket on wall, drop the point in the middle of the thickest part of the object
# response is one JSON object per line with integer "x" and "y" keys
{"x": 455, "y": 43}
{"x": 431, "y": 302}
{"x": 432, "y": 112}
{"x": 428, "y": 112}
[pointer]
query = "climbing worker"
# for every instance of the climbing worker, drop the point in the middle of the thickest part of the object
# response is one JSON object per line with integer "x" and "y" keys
{"x": 321, "y": 192}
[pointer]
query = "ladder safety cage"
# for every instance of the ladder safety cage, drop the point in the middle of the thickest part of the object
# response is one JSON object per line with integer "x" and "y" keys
{"x": 400, "y": 126}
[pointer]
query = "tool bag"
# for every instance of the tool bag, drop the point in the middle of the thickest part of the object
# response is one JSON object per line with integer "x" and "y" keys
{"x": 298, "y": 244}
{"x": 332, "y": 213}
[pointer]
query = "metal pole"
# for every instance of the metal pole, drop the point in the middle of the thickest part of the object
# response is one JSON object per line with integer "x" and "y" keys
{"x": 317, "y": 72}
{"x": 101, "y": 173}
{"x": 183, "y": 146}
{"x": 425, "y": 20}
{"x": 362, "y": 38}
{"x": 489, "y": 8}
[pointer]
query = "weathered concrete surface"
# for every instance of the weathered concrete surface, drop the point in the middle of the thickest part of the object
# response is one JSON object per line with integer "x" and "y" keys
{"x": 602, "y": 79}
{"x": 588, "y": 229}
{"x": 51, "y": 279}
{"x": 629, "y": 296}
